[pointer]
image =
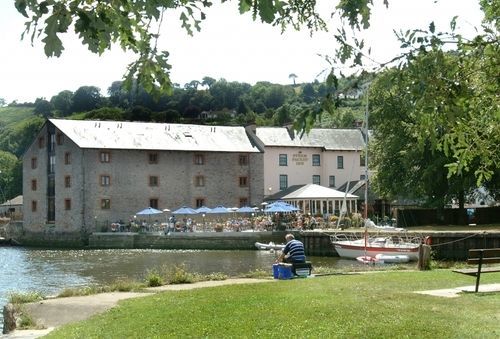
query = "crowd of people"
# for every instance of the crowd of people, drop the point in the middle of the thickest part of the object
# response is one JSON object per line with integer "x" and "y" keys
{"x": 262, "y": 222}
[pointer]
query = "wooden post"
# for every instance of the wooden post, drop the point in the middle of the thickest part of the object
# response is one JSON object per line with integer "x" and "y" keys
{"x": 424, "y": 257}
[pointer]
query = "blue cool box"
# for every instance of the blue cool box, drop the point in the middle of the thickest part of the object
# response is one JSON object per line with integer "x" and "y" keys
{"x": 282, "y": 271}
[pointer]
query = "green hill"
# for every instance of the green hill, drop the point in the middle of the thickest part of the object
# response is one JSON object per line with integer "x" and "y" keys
{"x": 10, "y": 116}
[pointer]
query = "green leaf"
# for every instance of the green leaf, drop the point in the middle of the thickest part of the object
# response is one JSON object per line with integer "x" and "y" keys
{"x": 432, "y": 27}
{"x": 245, "y": 6}
{"x": 21, "y": 7}
{"x": 53, "y": 45}
{"x": 267, "y": 10}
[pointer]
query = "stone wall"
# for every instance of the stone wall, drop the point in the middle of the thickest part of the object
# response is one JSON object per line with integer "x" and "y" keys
{"x": 206, "y": 241}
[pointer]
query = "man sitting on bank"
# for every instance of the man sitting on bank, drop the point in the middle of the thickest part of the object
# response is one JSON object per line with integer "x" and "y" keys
{"x": 293, "y": 251}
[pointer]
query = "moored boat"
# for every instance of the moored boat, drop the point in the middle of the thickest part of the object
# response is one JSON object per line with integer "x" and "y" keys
{"x": 269, "y": 246}
{"x": 371, "y": 247}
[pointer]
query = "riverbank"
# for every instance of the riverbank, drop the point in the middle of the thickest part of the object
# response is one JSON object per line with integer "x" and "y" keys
{"x": 388, "y": 304}
{"x": 51, "y": 313}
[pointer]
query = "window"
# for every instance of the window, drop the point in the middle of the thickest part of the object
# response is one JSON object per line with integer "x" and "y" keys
{"x": 153, "y": 180}
{"x": 331, "y": 181}
{"x": 51, "y": 210}
{"x": 199, "y": 202}
{"x": 52, "y": 142}
{"x": 316, "y": 180}
{"x": 243, "y": 182}
{"x": 362, "y": 161}
{"x": 362, "y": 177}
{"x": 283, "y": 161}
{"x": 67, "y": 158}
{"x": 34, "y": 163}
{"x": 41, "y": 142}
{"x": 316, "y": 160}
{"x": 199, "y": 181}
{"x": 199, "y": 159}
{"x": 153, "y": 203}
{"x": 243, "y": 202}
{"x": 105, "y": 204}
{"x": 243, "y": 160}
{"x": 105, "y": 180}
{"x": 340, "y": 161}
{"x": 34, "y": 205}
{"x": 283, "y": 181}
{"x": 33, "y": 185}
{"x": 153, "y": 158}
{"x": 60, "y": 138}
{"x": 105, "y": 156}
{"x": 67, "y": 181}
{"x": 67, "y": 204}
{"x": 52, "y": 164}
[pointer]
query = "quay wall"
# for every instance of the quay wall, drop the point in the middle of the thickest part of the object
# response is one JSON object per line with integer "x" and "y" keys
{"x": 198, "y": 240}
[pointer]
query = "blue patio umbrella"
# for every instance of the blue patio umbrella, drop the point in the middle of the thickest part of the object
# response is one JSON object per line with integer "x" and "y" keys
{"x": 203, "y": 209}
{"x": 281, "y": 206}
{"x": 219, "y": 210}
{"x": 184, "y": 210}
{"x": 245, "y": 209}
{"x": 149, "y": 211}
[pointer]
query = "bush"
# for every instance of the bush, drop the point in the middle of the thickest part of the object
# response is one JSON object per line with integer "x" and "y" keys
{"x": 179, "y": 275}
{"x": 24, "y": 298}
{"x": 154, "y": 279}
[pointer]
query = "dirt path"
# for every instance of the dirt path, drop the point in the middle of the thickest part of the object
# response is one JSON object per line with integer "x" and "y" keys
{"x": 52, "y": 313}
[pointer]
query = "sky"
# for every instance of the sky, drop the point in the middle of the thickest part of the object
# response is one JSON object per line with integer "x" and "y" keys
{"x": 229, "y": 46}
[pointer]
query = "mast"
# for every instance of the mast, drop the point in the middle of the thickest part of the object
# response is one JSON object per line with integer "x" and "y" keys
{"x": 366, "y": 153}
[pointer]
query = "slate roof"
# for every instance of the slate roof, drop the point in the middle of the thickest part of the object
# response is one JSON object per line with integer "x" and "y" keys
{"x": 155, "y": 136}
{"x": 329, "y": 139}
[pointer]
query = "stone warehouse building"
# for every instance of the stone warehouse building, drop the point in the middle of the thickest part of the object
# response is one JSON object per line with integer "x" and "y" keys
{"x": 77, "y": 174}
{"x": 80, "y": 174}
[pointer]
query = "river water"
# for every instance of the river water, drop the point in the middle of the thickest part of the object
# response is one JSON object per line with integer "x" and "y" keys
{"x": 51, "y": 271}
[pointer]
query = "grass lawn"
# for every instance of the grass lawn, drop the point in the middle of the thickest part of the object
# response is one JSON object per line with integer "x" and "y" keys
{"x": 372, "y": 305}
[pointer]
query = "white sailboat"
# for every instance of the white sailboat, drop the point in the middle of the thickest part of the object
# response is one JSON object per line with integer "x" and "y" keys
{"x": 375, "y": 249}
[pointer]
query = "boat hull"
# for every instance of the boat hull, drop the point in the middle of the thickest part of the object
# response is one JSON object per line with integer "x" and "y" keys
{"x": 269, "y": 246}
{"x": 353, "y": 250}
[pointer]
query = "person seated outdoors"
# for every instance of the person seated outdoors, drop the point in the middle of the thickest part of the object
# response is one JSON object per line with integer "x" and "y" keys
{"x": 293, "y": 252}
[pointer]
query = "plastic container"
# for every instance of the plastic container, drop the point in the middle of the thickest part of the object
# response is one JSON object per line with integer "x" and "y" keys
{"x": 285, "y": 271}
{"x": 276, "y": 271}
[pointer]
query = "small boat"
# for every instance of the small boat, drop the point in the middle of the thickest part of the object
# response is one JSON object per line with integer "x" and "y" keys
{"x": 270, "y": 246}
{"x": 394, "y": 248}
{"x": 392, "y": 259}
{"x": 365, "y": 259}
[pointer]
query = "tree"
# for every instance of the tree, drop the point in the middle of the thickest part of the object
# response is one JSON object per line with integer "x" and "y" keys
{"x": 43, "y": 108}
{"x": 208, "y": 81}
{"x": 86, "y": 98}
{"x": 2, "y": 102}
{"x": 62, "y": 102}
{"x": 413, "y": 126}
{"x": 293, "y": 76}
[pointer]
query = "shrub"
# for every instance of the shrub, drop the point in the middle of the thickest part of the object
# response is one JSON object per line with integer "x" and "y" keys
{"x": 154, "y": 279}
{"x": 23, "y": 298}
{"x": 179, "y": 275}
